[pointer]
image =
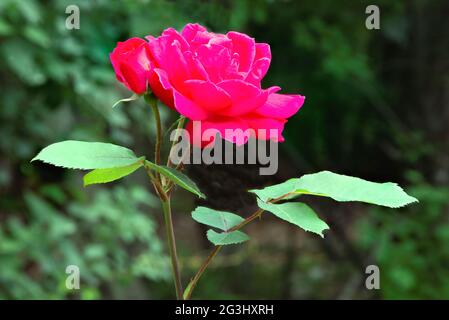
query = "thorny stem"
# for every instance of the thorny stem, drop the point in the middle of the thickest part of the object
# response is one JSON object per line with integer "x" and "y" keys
{"x": 215, "y": 251}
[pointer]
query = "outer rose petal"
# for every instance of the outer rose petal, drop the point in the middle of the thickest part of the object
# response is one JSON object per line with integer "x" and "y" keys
{"x": 281, "y": 105}
{"x": 161, "y": 87}
{"x": 187, "y": 107}
{"x": 245, "y": 97}
{"x": 207, "y": 95}
{"x": 263, "y": 126}
{"x": 232, "y": 130}
{"x": 167, "y": 55}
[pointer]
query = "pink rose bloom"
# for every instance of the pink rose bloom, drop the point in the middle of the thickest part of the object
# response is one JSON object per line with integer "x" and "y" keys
{"x": 131, "y": 64}
{"x": 209, "y": 77}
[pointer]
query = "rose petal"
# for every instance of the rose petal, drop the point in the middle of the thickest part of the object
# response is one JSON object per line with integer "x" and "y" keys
{"x": 207, "y": 95}
{"x": 245, "y": 97}
{"x": 190, "y": 30}
{"x": 134, "y": 79}
{"x": 167, "y": 54}
{"x": 232, "y": 130}
{"x": 125, "y": 47}
{"x": 161, "y": 87}
{"x": 215, "y": 59}
{"x": 262, "y": 51}
{"x": 221, "y": 40}
{"x": 187, "y": 107}
{"x": 175, "y": 35}
{"x": 197, "y": 70}
{"x": 281, "y": 105}
{"x": 258, "y": 71}
{"x": 201, "y": 38}
{"x": 245, "y": 47}
{"x": 131, "y": 64}
{"x": 267, "y": 128}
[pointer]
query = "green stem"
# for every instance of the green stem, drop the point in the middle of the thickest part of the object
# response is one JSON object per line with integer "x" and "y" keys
{"x": 157, "y": 150}
{"x": 200, "y": 272}
{"x": 159, "y": 185}
{"x": 172, "y": 247}
{"x": 215, "y": 251}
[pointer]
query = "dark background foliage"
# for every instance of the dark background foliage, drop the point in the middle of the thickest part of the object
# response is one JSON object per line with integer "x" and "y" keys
{"x": 377, "y": 107}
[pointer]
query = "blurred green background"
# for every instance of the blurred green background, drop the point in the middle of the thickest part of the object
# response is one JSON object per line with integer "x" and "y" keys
{"x": 377, "y": 107}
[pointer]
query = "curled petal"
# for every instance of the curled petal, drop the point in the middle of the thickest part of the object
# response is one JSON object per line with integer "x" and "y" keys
{"x": 245, "y": 96}
{"x": 197, "y": 70}
{"x": 175, "y": 35}
{"x": 262, "y": 51}
{"x": 281, "y": 105}
{"x": 221, "y": 40}
{"x": 202, "y": 38}
{"x": 190, "y": 30}
{"x": 260, "y": 65}
{"x": 167, "y": 55}
{"x": 245, "y": 47}
{"x": 161, "y": 87}
{"x": 258, "y": 71}
{"x": 215, "y": 59}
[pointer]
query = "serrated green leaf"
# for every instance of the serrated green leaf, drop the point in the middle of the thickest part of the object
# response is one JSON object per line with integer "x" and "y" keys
{"x": 340, "y": 188}
{"x": 222, "y": 220}
{"x": 225, "y": 238}
{"x": 296, "y": 213}
{"x": 110, "y": 174}
{"x": 177, "y": 177}
{"x": 86, "y": 155}
{"x": 132, "y": 98}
